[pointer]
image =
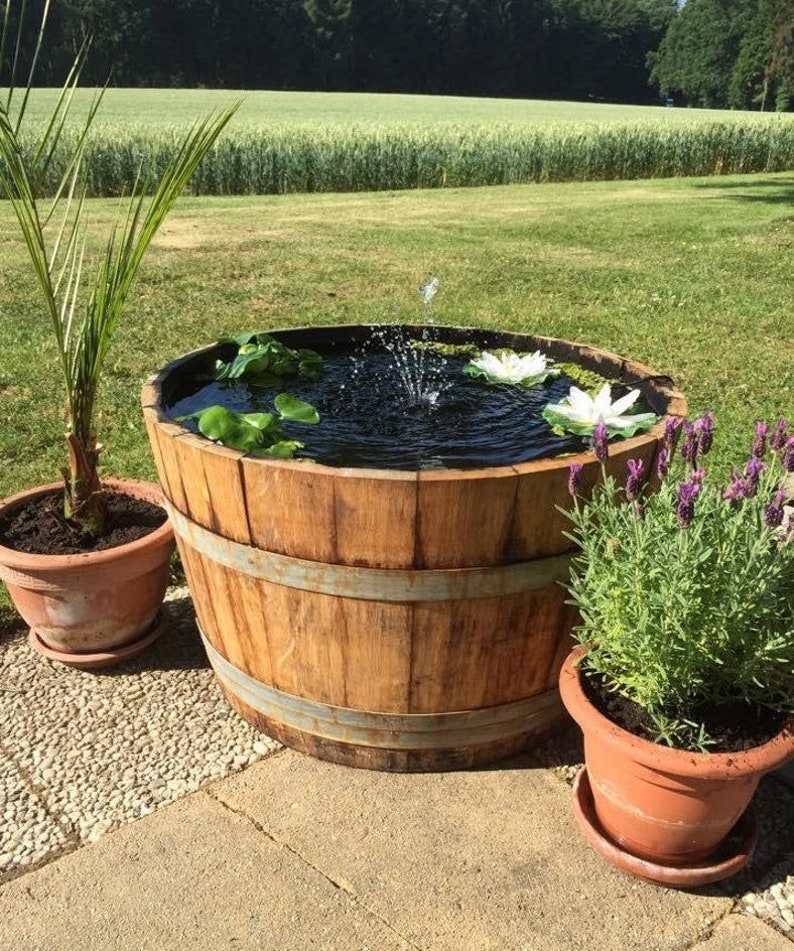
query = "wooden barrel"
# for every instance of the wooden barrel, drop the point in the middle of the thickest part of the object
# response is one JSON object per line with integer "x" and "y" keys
{"x": 378, "y": 618}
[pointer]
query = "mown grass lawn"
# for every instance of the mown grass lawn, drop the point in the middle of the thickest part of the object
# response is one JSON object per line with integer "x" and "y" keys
{"x": 693, "y": 277}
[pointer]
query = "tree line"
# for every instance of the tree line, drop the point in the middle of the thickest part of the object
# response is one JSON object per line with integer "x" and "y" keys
{"x": 729, "y": 53}
{"x": 736, "y": 53}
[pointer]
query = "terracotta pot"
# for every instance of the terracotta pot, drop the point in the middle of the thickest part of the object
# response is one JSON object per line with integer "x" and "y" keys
{"x": 94, "y": 601}
{"x": 671, "y": 807}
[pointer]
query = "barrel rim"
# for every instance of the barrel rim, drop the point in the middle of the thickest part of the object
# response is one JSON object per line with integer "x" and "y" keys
{"x": 663, "y": 388}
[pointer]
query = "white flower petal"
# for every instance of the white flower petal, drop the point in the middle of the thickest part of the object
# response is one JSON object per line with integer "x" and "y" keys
{"x": 603, "y": 400}
{"x": 581, "y": 402}
{"x": 567, "y": 411}
{"x": 624, "y": 402}
{"x": 584, "y": 410}
{"x": 486, "y": 362}
{"x": 507, "y": 367}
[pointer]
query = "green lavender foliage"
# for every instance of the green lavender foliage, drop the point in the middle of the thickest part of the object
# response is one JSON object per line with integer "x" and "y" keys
{"x": 281, "y": 159}
{"x": 678, "y": 618}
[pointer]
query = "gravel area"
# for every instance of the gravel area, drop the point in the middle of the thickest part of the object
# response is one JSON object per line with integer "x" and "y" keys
{"x": 83, "y": 752}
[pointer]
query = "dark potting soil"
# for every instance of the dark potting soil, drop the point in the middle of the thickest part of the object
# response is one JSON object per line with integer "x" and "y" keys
{"x": 732, "y": 726}
{"x": 39, "y": 527}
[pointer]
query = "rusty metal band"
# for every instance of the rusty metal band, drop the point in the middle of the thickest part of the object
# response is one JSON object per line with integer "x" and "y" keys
{"x": 393, "y": 731}
{"x": 372, "y": 584}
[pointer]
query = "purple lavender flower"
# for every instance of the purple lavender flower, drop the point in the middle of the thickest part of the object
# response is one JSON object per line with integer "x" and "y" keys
{"x": 662, "y": 461}
{"x": 759, "y": 443}
{"x": 788, "y": 455}
{"x": 671, "y": 428}
{"x": 704, "y": 432}
{"x": 689, "y": 446}
{"x": 634, "y": 479}
{"x": 574, "y": 478}
{"x": 752, "y": 472}
{"x": 601, "y": 441}
{"x": 697, "y": 476}
{"x": 685, "y": 509}
{"x": 736, "y": 490}
{"x": 778, "y": 439}
{"x": 773, "y": 513}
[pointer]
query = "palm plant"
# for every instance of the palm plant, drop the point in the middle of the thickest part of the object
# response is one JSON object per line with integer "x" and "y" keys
{"x": 82, "y": 303}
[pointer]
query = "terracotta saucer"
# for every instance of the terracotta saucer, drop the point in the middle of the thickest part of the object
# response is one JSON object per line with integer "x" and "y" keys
{"x": 732, "y": 855}
{"x": 87, "y": 660}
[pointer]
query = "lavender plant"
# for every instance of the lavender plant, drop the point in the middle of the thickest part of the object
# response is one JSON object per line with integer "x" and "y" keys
{"x": 686, "y": 594}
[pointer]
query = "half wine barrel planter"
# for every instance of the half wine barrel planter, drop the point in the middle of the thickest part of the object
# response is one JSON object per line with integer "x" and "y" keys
{"x": 378, "y": 618}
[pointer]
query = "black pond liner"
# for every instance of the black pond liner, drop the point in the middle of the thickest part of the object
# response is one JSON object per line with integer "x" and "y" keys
{"x": 386, "y": 405}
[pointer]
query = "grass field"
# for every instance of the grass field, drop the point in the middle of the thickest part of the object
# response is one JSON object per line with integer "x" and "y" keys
{"x": 692, "y": 277}
{"x": 282, "y": 143}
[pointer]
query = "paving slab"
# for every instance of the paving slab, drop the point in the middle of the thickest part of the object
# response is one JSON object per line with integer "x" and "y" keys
{"x": 739, "y": 933}
{"x": 771, "y": 897}
{"x": 473, "y": 861}
{"x": 193, "y": 876}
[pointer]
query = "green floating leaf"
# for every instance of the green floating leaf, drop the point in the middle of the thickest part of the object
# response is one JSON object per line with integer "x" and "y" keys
{"x": 635, "y": 428}
{"x": 262, "y": 421}
{"x": 258, "y": 433}
{"x": 290, "y": 407}
{"x": 267, "y": 360}
{"x": 561, "y": 424}
{"x": 236, "y": 430}
{"x": 446, "y": 349}
{"x": 588, "y": 380}
{"x": 283, "y": 449}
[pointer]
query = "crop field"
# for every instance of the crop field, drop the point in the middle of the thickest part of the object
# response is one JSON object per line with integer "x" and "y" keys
{"x": 282, "y": 143}
{"x": 166, "y": 108}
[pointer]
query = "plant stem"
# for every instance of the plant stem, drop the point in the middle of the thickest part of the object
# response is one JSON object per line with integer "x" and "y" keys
{"x": 83, "y": 499}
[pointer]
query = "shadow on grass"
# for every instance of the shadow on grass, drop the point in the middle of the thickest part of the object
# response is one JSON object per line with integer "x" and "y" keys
{"x": 776, "y": 191}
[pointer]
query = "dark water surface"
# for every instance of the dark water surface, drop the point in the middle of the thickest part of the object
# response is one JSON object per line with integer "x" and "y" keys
{"x": 379, "y": 411}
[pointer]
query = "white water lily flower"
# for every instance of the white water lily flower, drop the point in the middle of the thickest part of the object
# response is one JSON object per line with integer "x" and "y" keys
{"x": 587, "y": 411}
{"x": 505, "y": 366}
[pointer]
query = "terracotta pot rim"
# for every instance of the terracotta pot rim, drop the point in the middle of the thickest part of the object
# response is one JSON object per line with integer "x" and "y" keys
{"x": 763, "y": 758}
{"x": 137, "y": 488}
